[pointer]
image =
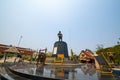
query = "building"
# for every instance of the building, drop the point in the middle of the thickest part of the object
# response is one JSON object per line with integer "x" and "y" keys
{"x": 86, "y": 56}
{"x": 23, "y": 51}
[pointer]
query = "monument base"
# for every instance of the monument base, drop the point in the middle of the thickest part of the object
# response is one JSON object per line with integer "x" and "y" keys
{"x": 60, "y": 47}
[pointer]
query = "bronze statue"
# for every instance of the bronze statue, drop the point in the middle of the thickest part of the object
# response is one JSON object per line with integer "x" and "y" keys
{"x": 60, "y": 36}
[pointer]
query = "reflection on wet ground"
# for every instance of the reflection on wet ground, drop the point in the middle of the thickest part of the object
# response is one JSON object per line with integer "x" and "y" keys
{"x": 83, "y": 72}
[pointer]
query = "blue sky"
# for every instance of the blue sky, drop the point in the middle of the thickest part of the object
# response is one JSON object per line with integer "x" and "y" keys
{"x": 84, "y": 23}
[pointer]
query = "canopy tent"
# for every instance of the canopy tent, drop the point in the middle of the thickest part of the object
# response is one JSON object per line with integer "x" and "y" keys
{"x": 12, "y": 50}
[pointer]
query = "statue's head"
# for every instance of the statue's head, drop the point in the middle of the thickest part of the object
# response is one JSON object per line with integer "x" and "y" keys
{"x": 59, "y": 31}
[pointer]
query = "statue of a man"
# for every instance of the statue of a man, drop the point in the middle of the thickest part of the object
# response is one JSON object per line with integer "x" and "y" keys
{"x": 60, "y": 36}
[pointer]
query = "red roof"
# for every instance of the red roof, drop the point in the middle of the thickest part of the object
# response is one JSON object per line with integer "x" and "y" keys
{"x": 87, "y": 54}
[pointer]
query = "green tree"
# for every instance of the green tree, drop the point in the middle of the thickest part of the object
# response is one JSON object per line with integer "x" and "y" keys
{"x": 49, "y": 54}
{"x": 118, "y": 42}
{"x": 1, "y": 55}
{"x": 115, "y": 52}
{"x": 99, "y": 47}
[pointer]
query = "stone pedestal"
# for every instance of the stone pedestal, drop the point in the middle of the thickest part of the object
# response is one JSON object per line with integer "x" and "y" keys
{"x": 60, "y": 47}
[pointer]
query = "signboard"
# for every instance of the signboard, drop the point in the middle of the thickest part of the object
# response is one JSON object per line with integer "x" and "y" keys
{"x": 61, "y": 56}
{"x": 55, "y": 50}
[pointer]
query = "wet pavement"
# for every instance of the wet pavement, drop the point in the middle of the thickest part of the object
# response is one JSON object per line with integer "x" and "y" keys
{"x": 8, "y": 75}
{"x": 83, "y": 72}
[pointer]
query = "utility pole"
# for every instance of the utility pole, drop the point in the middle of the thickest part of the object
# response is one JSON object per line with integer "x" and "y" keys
{"x": 19, "y": 40}
{"x": 18, "y": 46}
